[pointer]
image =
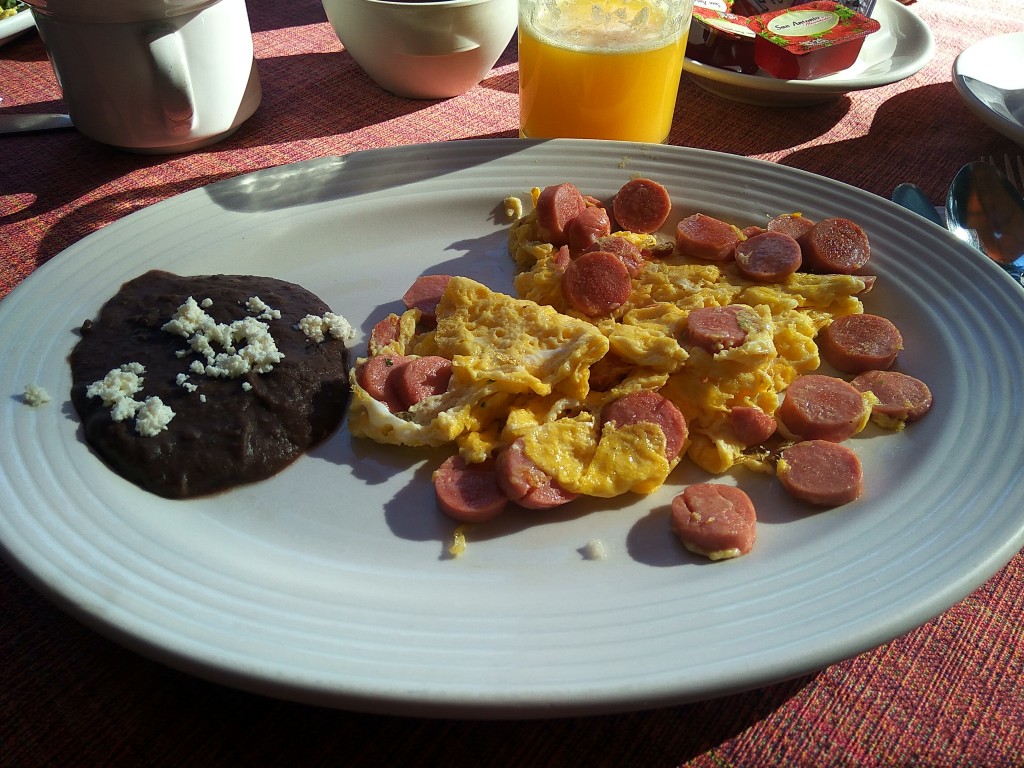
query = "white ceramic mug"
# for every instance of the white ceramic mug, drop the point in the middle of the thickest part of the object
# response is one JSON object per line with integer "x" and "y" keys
{"x": 152, "y": 76}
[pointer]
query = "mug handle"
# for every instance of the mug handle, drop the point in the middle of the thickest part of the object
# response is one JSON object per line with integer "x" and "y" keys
{"x": 171, "y": 76}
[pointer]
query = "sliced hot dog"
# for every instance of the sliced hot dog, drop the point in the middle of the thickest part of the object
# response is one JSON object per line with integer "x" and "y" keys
{"x": 563, "y": 258}
{"x": 792, "y": 224}
{"x": 901, "y": 396}
{"x": 557, "y": 206}
{"x": 468, "y": 493}
{"x": 424, "y": 295}
{"x": 819, "y": 407}
{"x": 750, "y": 424}
{"x": 769, "y": 257}
{"x": 596, "y": 283}
{"x": 378, "y": 376}
{"x": 383, "y": 333}
{"x": 641, "y": 205}
{"x": 715, "y": 520}
{"x": 716, "y": 328}
{"x": 705, "y": 237}
{"x": 835, "y": 246}
{"x": 590, "y": 225}
{"x": 631, "y": 255}
{"x": 821, "y": 472}
{"x": 857, "y": 343}
{"x": 652, "y": 408}
{"x": 421, "y": 378}
{"x": 525, "y": 483}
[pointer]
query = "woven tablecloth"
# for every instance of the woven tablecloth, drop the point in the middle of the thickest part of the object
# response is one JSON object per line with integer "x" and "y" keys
{"x": 946, "y": 694}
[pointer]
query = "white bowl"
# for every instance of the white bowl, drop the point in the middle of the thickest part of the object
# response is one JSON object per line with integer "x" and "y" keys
{"x": 424, "y": 50}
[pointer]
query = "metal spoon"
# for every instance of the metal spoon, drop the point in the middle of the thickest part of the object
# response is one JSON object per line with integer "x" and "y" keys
{"x": 984, "y": 210}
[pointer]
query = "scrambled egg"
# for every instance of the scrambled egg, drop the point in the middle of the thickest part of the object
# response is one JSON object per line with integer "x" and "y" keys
{"x": 522, "y": 367}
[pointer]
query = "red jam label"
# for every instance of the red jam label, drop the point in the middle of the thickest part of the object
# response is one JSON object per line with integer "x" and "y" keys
{"x": 802, "y": 23}
{"x": 813, "y": 26}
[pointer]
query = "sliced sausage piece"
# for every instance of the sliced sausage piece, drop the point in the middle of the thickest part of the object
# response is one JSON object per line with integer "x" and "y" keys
{"x": 792, "y": 224}
{"x": 835, "y": 246}
{"x": 753, "y": 230}
{"x": 641, "y": 205}
{"x": 902, "y": 397}
{"x": 819, "y": 407}
{"x": 592, "y": 224}
{"x": 557, "y": 206}
{"x": 525, "y": 483}
{"x": 422, "y": 377}
{"x": 705, "y": 237}
{"x": 596, "y": 283}
{"x": 715, "y": 328}
{"x": 631, "y": 255}
{"x": 715, "y": 520}
{"x": 378, "y": 376}
{"x": 869, "y": 282}
{"x": 425, "y": 294}
{"x": 770, "y": 257}
{"x": 383, "y": 333}
{"x": 563, "y": 258}
{"x": 468, "y": 493}
{"x": 750, "y": 424}
{"x": 651, "y": 408}
{"x": 858, "y": 343}
{"x": 821, "y": 472}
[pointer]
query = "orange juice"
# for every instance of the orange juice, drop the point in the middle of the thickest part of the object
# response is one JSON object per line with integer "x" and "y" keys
{"x": 607, "y": 79}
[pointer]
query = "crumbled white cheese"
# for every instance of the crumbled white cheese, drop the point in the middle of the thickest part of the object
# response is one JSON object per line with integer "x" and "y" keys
{"x": 246, "y": 345}
{"x": 261, "y": 309}
{"x": 152, "y": 417}
{"x": 207, "y": 303}
{"x": 595, "y": 550}
{"x": 318, "y": 328}
{"x": 182, "y": 381}
{"x": 246, "y": 386}
{"x": 35, "y": 395}
{"x": 118, "y": 389}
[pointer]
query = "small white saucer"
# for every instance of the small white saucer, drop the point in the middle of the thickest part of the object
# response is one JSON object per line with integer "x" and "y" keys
{"x": 989, "y": 76}
{"x": 898, "y": 50}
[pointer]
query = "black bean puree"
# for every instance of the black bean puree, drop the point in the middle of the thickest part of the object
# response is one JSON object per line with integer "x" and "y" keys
{"x": 235, "y": 437}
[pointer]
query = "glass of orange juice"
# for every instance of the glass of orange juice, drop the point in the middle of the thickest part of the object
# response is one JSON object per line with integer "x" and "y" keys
{"x": 600, "y": 69}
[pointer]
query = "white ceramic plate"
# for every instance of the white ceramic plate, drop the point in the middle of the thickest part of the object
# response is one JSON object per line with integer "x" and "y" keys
{"x": 16, "y": 25}
{"x": 902, "y": 46}
{"x": 989, "y": 76}
{"x": 330, "y": 583}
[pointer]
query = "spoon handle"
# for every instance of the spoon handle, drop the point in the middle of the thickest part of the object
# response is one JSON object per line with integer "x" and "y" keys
{"x": 913, "y": 198}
